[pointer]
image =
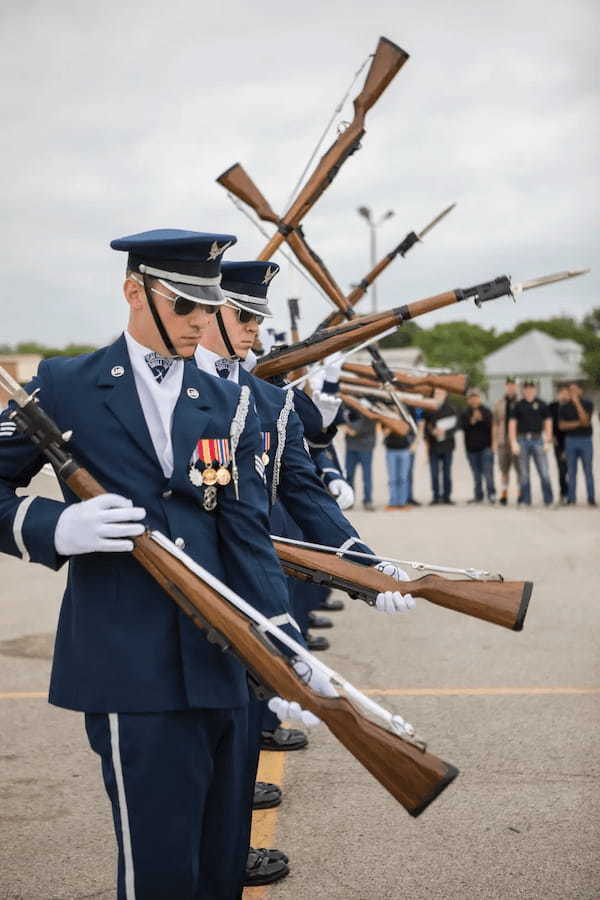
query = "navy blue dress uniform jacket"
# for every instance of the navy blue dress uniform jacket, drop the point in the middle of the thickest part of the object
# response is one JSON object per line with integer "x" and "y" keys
{"x": 300, "y": 488}
{"x": 122, "y": 644}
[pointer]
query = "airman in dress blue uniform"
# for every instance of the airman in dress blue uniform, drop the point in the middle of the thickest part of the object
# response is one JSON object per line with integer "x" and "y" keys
{"x": 166, "y": 711}
{"x": 290, "y": 474}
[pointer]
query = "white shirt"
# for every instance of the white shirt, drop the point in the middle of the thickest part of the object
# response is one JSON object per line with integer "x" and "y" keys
{"x": 157, "y": 399}
{"x": 206, "y": 359}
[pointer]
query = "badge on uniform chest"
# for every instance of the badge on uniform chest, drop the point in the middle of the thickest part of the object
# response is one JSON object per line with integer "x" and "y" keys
{"x": 209, "y": 467}
{"x": 266, "y": 447}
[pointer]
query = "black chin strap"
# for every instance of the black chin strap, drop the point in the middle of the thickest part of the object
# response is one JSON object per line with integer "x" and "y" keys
{"x": 158, "y": 321}
{"x": 225, "y": 336}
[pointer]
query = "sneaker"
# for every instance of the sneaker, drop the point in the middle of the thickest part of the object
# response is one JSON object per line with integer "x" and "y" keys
{"x": 503, "y": 500}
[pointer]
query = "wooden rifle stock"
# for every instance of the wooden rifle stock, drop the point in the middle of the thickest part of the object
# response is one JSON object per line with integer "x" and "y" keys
{"x": 423, "y": 389}
{"x": 362, "y": 387}
{"x": 499, "y": 602}
{"x": 454, "y": 383}
{"x": 284, "y": 359}
{"x": 387, "y": 62}
{"x": 396, "y": 425}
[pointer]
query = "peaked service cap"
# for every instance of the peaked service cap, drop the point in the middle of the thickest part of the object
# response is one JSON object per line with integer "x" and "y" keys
{"x": 245, "y": 284}
{"x": 187, "y": 262}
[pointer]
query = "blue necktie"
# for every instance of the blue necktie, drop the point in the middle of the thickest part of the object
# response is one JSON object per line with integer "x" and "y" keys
{"x": 159, "y": 365}
{"x": 223, "y": 367}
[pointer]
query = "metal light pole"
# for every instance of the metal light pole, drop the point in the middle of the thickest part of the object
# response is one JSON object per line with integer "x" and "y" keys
{"x": 365, "y": 212}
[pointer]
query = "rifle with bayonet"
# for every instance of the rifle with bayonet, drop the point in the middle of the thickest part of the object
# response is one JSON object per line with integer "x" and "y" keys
{"x": 454, "y": 383}
{"x": 387, "y": 61}
{"x": 384, "y": 743}
{"x": 481, "y": 595}
{"x": 332, "y": 340}
{"x": 401, "y": 249}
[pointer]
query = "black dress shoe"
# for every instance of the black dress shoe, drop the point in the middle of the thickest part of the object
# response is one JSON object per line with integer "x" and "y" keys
{"x": 266, "y": 795}
{"x": 332, "y": 604}
{"x": 317, "y": 643}
{"x": 316, "y": 621}
{"x": 272, "y": 853}
{"x": 447, "y": 501}
{"x": 434, "y": 502}
{"x": 413, "y": 502}
{"x": 262, "y": 869}
{"x": 283, "y": 739}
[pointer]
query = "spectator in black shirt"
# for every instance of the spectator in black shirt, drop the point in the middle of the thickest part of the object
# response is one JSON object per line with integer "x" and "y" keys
{"x": 439, "y": 426}
{"x": 530, "y": 433}
{"x": 562, "y": 397}
{"x": 476, "y": 423}
{"x": 575, "y": 421}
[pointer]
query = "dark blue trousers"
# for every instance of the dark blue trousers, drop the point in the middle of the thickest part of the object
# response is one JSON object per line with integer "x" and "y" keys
{"x": 181, "y": 786}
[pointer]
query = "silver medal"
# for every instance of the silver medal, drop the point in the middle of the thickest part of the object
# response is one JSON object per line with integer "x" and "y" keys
{"x": 195, "y": 476}
{"x": 209, "y": 500}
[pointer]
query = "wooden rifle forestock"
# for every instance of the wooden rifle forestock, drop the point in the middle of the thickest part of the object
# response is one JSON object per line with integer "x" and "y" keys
{"x": 499, "y": 602}
{"x": 454, "y": 383}
{"x": 363, "y": 387}
{"x": 397, "y": 426}
{"x": 423, "y": 389}
{"x": 333, "y": 340}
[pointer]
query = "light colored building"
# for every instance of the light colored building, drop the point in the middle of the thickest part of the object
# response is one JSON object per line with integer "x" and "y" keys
{"x": 537, "y": 356}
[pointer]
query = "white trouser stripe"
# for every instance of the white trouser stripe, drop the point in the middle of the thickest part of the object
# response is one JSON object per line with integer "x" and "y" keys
{"x": 284, "y": 619}
{"x": 18, "y": 521}
{"x": 113, "y": 719}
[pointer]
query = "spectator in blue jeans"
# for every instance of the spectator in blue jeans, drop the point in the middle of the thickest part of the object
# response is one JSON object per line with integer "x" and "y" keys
{"x": 360, "y": 441}
{"x": 575, "y": 421}
{"x": 397, "y": 457}
{"x": 439, "y": 426}
{"x": 530, "y": 435}
{"x": 476, "y": 423}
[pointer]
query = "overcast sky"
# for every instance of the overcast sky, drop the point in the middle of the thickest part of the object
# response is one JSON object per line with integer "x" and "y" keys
{"x": 118, "y": 117}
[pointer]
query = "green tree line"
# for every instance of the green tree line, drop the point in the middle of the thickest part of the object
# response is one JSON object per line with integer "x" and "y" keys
{"x": 463, "y": 345}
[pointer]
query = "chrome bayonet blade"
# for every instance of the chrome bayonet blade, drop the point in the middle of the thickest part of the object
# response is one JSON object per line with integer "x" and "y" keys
{"x": 13, "y": 388}
{"x": 435, "y": 221}
{"x": 548, "y": 279}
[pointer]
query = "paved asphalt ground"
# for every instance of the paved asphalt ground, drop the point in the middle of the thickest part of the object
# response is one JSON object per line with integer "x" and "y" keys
{"x": 517, "y": 713}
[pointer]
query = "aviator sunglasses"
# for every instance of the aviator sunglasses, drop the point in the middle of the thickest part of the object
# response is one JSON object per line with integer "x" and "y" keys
{"x": 182, "y": 306}
{"x": 245, "y": 316}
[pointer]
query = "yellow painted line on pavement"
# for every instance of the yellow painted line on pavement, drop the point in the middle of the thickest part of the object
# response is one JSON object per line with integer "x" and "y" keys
{"x": 478, "y": 692}
{"x": 24, "y": 695}
{"x": 264, "y": 821}
{"x": 385, "y": 692}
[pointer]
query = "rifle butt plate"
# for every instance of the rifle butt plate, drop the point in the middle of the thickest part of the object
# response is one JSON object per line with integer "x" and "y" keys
{"x": 451, "y": 774}
{"x": 525, "y": 597}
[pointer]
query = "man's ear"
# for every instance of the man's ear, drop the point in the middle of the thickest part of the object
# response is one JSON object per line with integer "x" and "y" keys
{"x": 134, "y": 293}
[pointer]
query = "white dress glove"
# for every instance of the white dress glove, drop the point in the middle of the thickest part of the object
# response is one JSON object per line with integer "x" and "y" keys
{"x": 393, "y": 601}
{"x": 334, "y": 367}
{"x": 104, "y": 524}
{"x": 287, "y": 710}
{"x": 342, "y": 492}
{"x": 328, "y": 405}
